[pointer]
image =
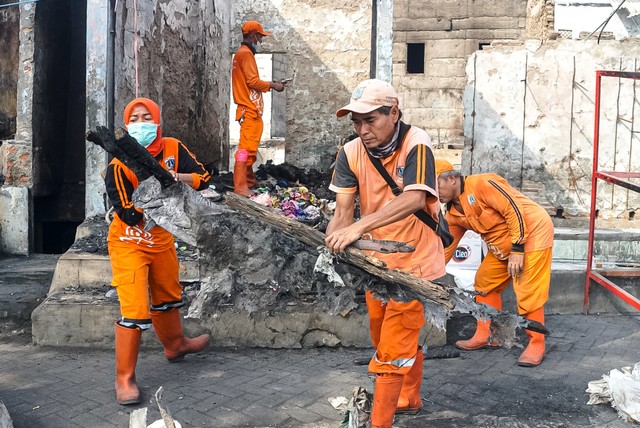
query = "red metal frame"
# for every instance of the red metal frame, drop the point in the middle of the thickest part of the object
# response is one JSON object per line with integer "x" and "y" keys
{"x": 615, "y": 178}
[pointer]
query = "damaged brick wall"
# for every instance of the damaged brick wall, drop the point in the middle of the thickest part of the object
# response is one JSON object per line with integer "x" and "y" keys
{"x": 450, "y": 31}
{"x": 327, "y": 44}
{"x": 183, "y": 65}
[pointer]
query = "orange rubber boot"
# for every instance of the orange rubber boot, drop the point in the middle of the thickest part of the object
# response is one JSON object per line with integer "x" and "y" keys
{"x": 240, "y": 174}
{"x": 169, "y": 331}
{"x": 410, "y": 402}
{"x": 385, "y": 399}
{"x": 534, "y": 353}
{"x": 127, "y": 347}
{"x": 480, "y": 339}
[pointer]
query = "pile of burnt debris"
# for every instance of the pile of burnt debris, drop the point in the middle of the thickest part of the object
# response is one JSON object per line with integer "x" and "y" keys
{"x": 283, "y": 175}
{"x": 253, "y": 259}
{"x": 297, "y": 193}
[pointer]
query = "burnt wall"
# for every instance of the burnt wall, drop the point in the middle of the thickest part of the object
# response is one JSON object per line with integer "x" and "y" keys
{"x": 9, "y": 34}
{"x": 182, "y": 64}
{"x": 58, "y": 160}
{"x": 449, "y": 32}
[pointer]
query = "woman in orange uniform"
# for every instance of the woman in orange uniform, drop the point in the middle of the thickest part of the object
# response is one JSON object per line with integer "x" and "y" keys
{"x": 519, "y": 234}
{"x": 144, "y": 262}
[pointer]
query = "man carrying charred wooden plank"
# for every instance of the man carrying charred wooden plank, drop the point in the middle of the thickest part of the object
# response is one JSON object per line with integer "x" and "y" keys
{"x": 519, "y": 234}
{"x": 403, "y": 153}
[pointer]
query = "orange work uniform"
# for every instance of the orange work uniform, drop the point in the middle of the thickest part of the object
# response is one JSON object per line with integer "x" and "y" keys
{"x": 395, "y": 326}
{"x": 509, "y": 222}
{"x": 247, "y": 94}
{"x": 145, "y": 262}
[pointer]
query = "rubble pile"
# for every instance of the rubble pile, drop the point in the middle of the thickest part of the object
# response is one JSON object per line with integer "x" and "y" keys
{"x": 252, "y": 260}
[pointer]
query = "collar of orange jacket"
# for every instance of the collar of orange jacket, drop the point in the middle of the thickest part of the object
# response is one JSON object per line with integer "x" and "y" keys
{"x": 157, "y": 145}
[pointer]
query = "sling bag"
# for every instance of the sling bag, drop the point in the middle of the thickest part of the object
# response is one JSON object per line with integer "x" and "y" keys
{"x": 440, "y": 227}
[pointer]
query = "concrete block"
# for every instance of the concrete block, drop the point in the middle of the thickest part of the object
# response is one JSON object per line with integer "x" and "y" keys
{"x": 14, "y": 220}
{"x": 485, "y": 22}
{"x": 489, "y": 34}
{"x": 86, "y": 320}
{"x": 447, "y": 49}
{"x": 411, "y": 24}
{"x": 444, "y": 8}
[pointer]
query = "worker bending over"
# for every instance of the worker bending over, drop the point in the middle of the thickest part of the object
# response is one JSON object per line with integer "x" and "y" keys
{"x": 519, "y": 235}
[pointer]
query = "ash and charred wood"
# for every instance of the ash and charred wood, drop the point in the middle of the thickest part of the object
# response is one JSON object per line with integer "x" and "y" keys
{"x": 125, "y": 148}
{"x": 104, "y": 138}
{"x": 426, "y": 289}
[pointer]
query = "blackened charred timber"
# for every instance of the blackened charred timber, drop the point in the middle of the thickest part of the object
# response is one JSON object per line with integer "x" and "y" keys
{"x": 125, "y": 148}
{"x": 428, "y": 290}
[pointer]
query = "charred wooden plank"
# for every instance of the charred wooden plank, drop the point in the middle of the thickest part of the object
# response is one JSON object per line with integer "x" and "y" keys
{"x": 125, "y": 148}
{"x": 427, "y": 289}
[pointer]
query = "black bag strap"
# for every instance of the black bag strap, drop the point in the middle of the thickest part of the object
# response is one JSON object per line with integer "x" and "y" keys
{"x": 421, "y": 214}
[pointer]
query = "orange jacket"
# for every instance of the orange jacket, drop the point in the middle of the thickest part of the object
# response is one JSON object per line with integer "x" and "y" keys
{"x": 246, "y": 83}
{"x": 507, "y": 220}
{"x": 127, "y": 225}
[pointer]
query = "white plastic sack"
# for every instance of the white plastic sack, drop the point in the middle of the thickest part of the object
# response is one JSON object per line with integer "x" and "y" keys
{"x": 622, "y": 389}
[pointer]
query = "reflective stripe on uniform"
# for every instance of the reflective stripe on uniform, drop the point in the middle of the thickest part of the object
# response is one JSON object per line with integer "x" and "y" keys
{"x": 167, "y": 306}
{"x": 400, "y": 362}
{"x": 142, "y": 324}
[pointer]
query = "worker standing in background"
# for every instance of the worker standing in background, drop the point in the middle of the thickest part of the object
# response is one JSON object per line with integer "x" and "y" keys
{"x": 404, "y": 152}
{"x": 519, "y": 236}
{"x": 247, "y": 94}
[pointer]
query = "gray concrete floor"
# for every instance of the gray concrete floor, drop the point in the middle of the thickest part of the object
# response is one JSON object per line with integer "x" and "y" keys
{"x": 61, "y": 387}
{"x": 224, "y": 387}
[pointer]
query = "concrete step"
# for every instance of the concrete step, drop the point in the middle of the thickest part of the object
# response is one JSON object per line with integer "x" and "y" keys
{"x": 78, "y": 313}
{"x": 80, "y": 269}
{"x": 85, "y": 318}
{"x": 614, "y": 245}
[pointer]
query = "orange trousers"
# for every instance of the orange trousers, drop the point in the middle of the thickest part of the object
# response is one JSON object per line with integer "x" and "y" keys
{"x": 138, "y": 274}
{"x": 250, "y": 133}
{"x": 395, "y": 331}
{"x": 531, "y": 287}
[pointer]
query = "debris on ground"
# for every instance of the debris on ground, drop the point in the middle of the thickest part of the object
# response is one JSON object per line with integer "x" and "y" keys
{"x": 5, "y": 419}
{"x": 621, "y": 388}
{"x": 138, "y": 418}
{"x": 441, "y": 352}
{"x": 356, "y": 410}
{"x": 294, "y": 202}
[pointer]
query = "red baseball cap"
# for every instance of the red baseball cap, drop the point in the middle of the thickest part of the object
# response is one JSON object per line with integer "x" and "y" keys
{"x": 255, "y": 27}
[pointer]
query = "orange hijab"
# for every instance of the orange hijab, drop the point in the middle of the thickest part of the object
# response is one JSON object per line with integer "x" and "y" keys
{"x": 157, "y": 145}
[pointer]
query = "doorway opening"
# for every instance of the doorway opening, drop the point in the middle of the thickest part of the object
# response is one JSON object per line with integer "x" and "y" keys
{"x": 59, "y": 102}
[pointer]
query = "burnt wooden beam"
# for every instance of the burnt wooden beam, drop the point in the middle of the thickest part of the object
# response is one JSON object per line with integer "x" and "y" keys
{"x": 436, "y": 293}
{"x": 137, "y": 158}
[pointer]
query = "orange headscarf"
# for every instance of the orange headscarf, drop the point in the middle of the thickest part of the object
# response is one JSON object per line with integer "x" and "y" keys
{"x": 157, "y": 145}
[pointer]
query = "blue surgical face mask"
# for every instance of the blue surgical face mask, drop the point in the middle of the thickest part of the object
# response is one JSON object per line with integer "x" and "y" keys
{"x": 143, "y": 132}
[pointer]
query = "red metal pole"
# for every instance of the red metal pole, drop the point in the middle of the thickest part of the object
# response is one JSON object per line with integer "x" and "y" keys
{"x": 594, "y": 190}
